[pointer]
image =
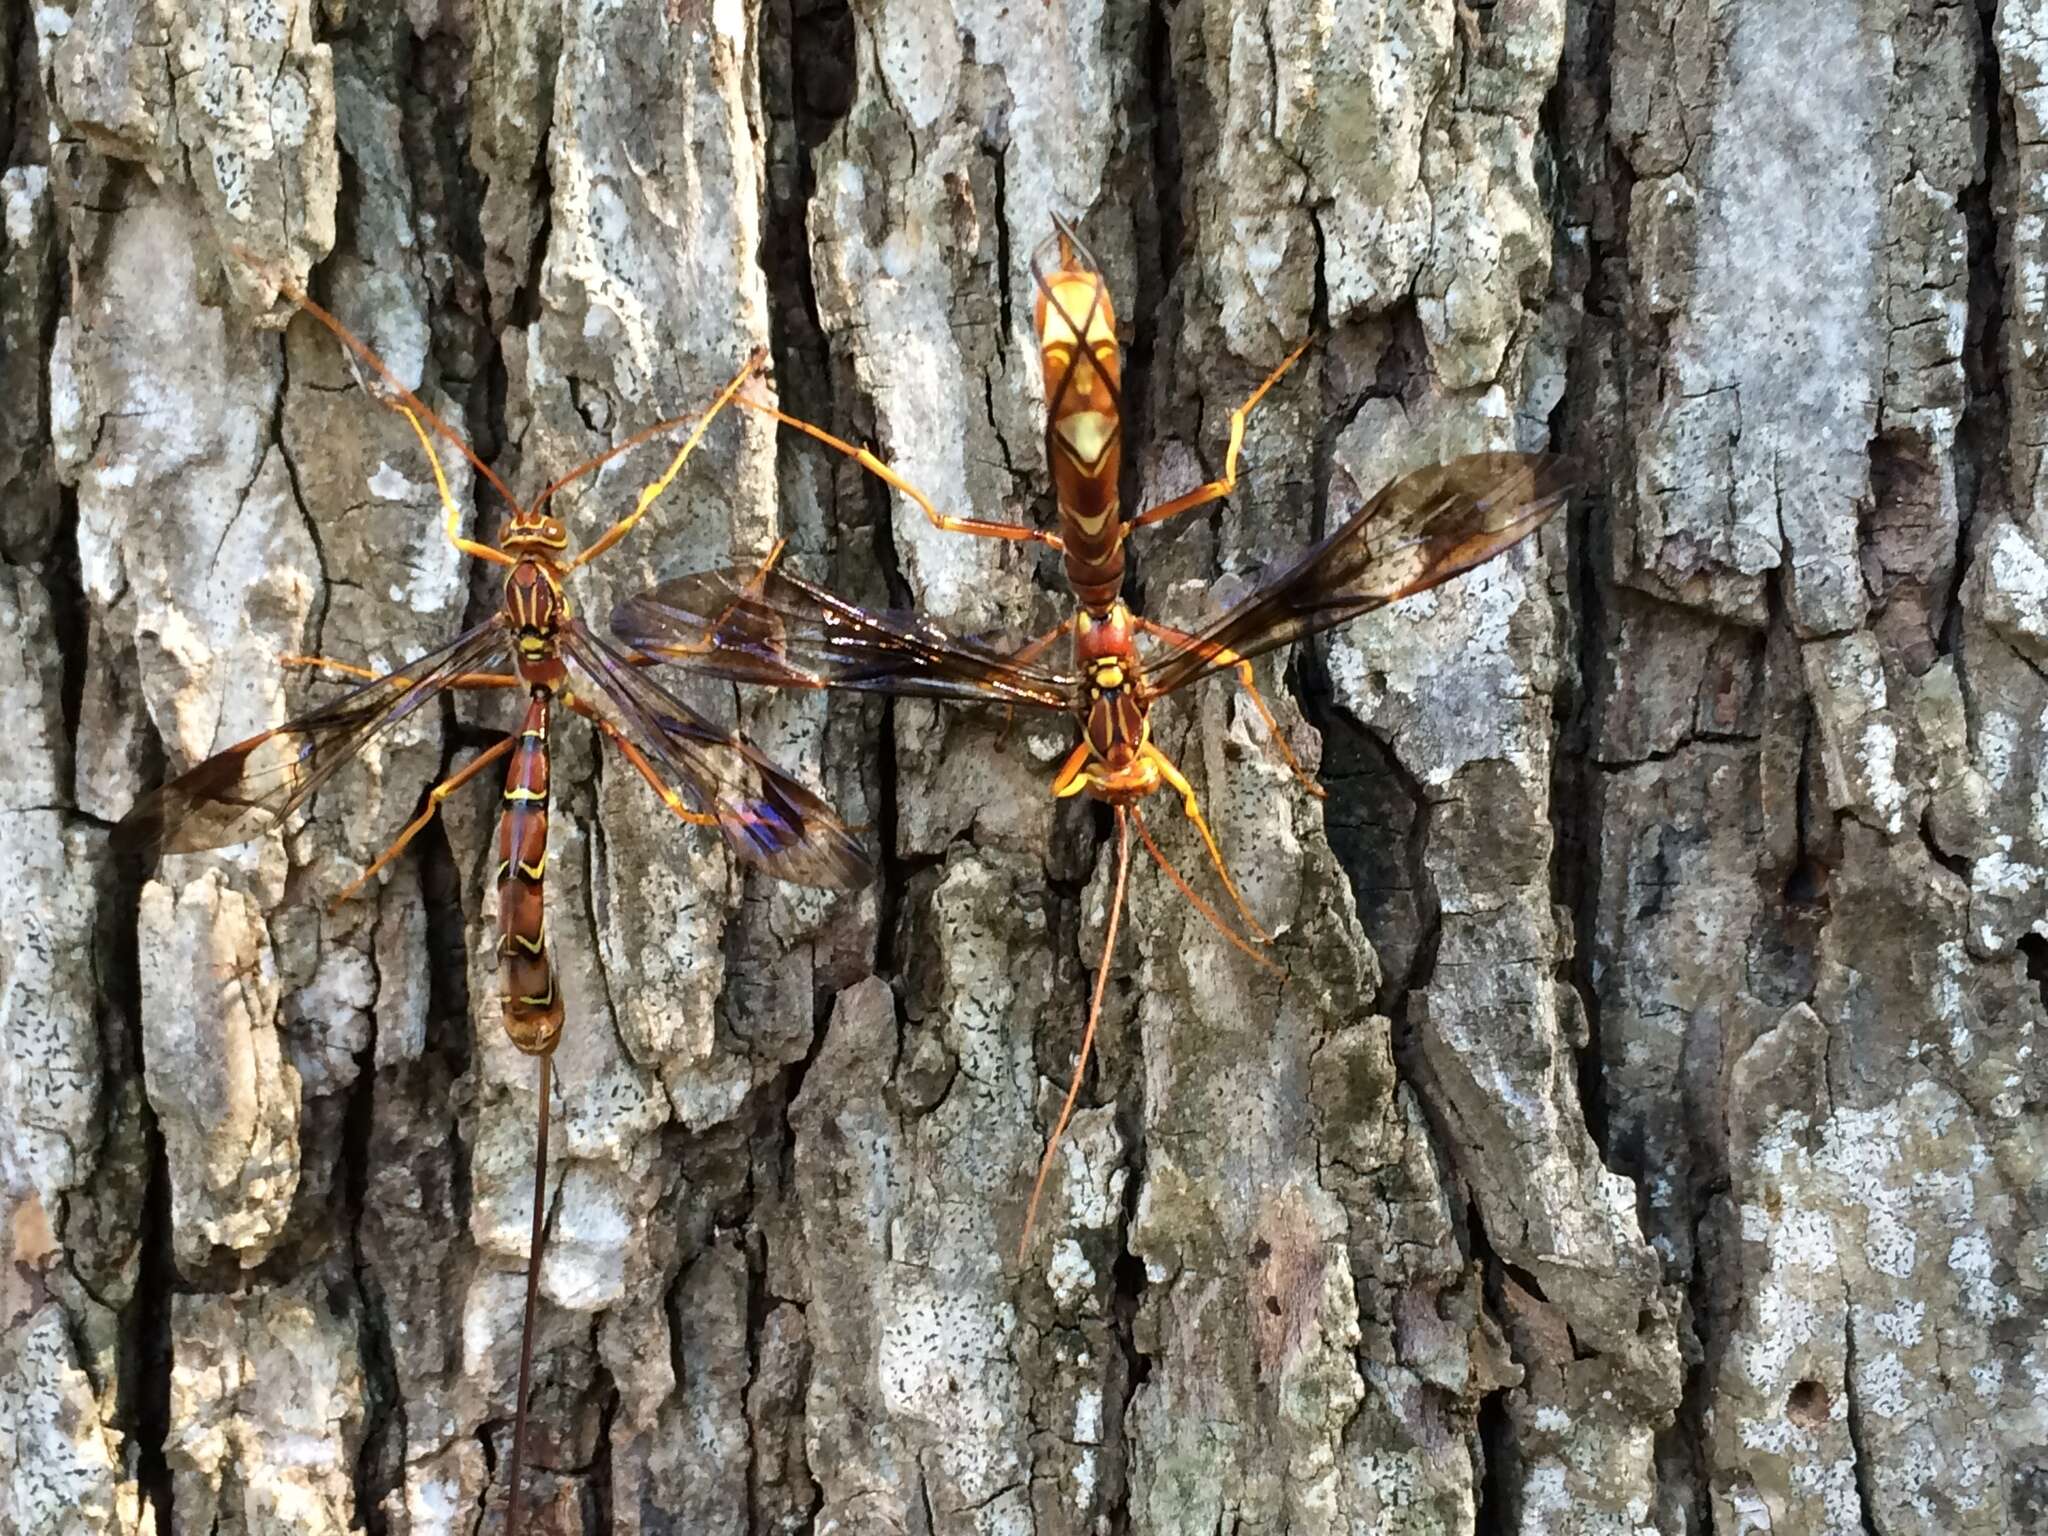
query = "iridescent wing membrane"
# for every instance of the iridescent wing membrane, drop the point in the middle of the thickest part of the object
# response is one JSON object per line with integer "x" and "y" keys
{"x": 765, "y": 816}
{"x": 777, "y": 630}
{"x": 251, "y": 787}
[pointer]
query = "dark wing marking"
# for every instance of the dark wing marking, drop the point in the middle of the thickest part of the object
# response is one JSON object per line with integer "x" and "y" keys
{"x": 781, "y": 631}
{"x": 254, "y": 785}
{"x": 1425, "y": 528}
{"x": 765, "y": 815}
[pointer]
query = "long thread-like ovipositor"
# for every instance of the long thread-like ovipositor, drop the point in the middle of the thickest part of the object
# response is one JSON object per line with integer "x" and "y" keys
{"x": 516, "y": 1498}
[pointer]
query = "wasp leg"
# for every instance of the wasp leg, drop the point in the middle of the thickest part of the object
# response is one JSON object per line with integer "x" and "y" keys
{"x": 435, "y": 796}
{"x": 646, "y": 770}
{"x": 1223, "y": 656}
{"x": 1016, "y": 532}
{"x": 1193, "y": 809}
{"x": 1221, "y": 487}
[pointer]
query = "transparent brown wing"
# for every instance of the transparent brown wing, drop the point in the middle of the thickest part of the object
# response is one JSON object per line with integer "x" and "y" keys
{"x": 782, "y": 632}
{"x": 254, "y": 785}
{"x": 1425, "y": 528}
{"x": 766, "y": 817}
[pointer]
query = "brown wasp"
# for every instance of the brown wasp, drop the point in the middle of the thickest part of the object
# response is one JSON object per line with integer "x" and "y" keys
{"x": 536, "y": 646}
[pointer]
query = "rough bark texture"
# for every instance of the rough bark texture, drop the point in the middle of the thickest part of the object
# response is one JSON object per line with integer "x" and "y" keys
{"x": 1647, "y": 1133}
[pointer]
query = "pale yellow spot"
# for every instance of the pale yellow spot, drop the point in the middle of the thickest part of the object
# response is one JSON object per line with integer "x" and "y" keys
{"x": 1091, "y": 527}
{"x": 1088, "y": 435}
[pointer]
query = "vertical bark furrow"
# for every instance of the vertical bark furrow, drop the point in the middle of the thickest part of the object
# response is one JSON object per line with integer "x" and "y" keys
{"x": 1698, "y": 845}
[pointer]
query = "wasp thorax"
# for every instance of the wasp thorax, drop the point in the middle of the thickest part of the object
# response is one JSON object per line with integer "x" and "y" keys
{"x": 1110, "y": 638}
{"x": 537, "y": 608}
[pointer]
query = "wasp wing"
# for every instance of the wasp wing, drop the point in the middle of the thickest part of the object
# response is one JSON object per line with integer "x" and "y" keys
{"x": 766, "y": 817}
{"x": 771, "y": 628}
{"x": 1423, "y": 529}
{"x": 252, "y": 786}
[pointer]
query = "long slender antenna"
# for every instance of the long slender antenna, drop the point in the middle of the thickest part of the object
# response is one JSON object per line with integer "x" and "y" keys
{"x": 515, "y": 1502}
{"x": 753, "y": 364}
{"x": 411, "y": 401}
{"x": 1116, "y": 912}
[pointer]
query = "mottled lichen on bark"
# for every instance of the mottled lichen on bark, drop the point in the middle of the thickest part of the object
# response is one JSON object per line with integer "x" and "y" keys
{"x": 1840, "y": 845}
{"x": 1763, "y": 719}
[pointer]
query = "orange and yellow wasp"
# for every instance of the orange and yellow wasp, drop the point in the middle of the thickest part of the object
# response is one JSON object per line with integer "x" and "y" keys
{"x": 759, "y": 624}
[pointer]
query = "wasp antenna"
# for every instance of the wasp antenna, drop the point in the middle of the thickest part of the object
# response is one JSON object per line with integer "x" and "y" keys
{"x": 748, "y": 370}
{"x": 404, "y": 399}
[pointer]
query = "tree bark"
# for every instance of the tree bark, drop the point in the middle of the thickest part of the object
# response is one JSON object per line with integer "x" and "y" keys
{"x": 1643, "y": 1129}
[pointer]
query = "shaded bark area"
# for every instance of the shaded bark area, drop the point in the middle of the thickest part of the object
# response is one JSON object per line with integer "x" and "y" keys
{"x": 1641, "y": 1132}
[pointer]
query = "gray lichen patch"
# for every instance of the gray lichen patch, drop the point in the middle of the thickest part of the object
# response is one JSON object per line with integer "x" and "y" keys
{"x": 1633, "y": 1123}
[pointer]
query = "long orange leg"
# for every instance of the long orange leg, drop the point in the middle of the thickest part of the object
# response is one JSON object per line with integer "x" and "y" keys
{"x": 1037, "y": 647}
{"x": 1116, "y": 912}
{"x": 655, "y": 487}
{"x": 350, "y": 669}
{"x": 516, "y": 1499}
{"x": 1020, "y": 532}
{"x": 646, "y": 770}
{"x": 1222, "y": 655}
{"x": 1221, "y": 487}
{"x": 1193, "y": 808}
{"x": 435, "y": 796}
{"x": 1172, "y": 873}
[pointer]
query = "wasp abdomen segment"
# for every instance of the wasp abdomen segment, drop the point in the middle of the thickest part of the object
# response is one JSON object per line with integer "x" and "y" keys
{"x": 1084, "y": 426}
{"x": 533, "y": 1003}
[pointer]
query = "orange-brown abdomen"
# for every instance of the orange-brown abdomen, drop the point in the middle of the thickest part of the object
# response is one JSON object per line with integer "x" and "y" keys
{"x": 1084, "y": 416}
{"x": 533, "y": 1003}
